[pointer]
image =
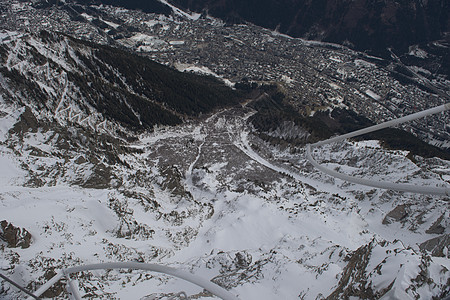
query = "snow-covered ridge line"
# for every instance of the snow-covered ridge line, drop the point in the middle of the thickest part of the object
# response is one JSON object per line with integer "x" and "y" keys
{"x": 445, "y": 191}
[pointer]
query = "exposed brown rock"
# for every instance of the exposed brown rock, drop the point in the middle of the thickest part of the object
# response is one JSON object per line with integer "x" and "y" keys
{"x": 26, "y": 123}
{"x": 14, "y": 236}
{"x": 437, "y": 246}
{"x": 437, "y": 227}
{"x": 397, "y": 214}
{"x": 353, "y": 280}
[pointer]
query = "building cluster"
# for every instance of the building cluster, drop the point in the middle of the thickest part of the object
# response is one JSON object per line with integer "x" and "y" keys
{"x": 313, "y": 75}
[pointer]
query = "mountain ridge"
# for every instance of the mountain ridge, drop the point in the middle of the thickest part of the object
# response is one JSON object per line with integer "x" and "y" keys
{"x": 151, "y": 89}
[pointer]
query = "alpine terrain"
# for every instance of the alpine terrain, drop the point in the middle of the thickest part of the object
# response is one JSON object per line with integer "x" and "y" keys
{"x": 156, "y": 135}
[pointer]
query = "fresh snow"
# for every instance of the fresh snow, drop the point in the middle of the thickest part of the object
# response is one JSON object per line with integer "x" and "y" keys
{"x": 208, "y": 197}
{"x": 201, "y": 70}
{"x": 308, "y": 246}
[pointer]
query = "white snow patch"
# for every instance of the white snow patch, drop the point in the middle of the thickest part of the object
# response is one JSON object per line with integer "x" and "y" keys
{"x": 419, "y": 69}
{"x": 201, "y": 70}
{"x": 11, "y": 173}
{"x": 334, "y": 86}
{"x": 373, "y": 95}
{"x": 113, "y": 25}
{"x": 276, "y": 33}
{"x": 7, "y": 121}
{"x": 87, "y": 17}
{"x": 177, "y": 43}
{"x": 287, "y": 79}
{"x": 417, "y": 52}
{"x": 368, "y": 144}
{"x": 146, "y": 39}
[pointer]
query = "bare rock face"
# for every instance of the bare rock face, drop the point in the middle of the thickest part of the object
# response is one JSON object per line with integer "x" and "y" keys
{"x": 397, "y": 214}
{"x": 27, "y": 123}
{"x": 438, "y": 246}
{"x": 14, "y": 236}
{"x": 437, "y": 227}
{"x": 366, "y": 24}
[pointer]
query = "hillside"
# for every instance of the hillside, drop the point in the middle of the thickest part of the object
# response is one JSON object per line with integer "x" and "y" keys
{"x": 364, "y": 24}
{"x": 113, "y": 83}
{"x": 108, "y": 156}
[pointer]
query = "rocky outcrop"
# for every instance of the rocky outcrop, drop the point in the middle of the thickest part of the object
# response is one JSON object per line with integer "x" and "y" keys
{"x": 389, "y": 270}
{"x": 353, "y": 281}
{"x": 437, "y": 246}
{"x": 396, "y": 215}
{"x": 26, "y": 123}
{"x": 14, "y": 237}
{"x": 436, "y": 227}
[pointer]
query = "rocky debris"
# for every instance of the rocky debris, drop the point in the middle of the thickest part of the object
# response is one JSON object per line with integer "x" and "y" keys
{"x": 399, "y": 213}
{"x": 437, "y": 227}
{"x": 243, "y": 259}
{"x": 438, "y": 246}
{"x": 57, "y": 288}
{"x": 147, "y": 200}
{"x": 100, "y": 178}
{"x": 239, "y": 274}
{"x": 14, "y": 236}
{"x": 128, "y": 227}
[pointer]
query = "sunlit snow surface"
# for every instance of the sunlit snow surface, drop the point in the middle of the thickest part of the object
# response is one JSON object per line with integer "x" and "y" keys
{"x": 263, "y": 225}
{"x": 208, "y": 197}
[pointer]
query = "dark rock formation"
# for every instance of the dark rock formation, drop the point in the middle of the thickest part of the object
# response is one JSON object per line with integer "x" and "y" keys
{"x": 437, "y": 227}
{"x": 397, "y": 214}
{"x": 438, "y": 246}
{"x": 353, "y": 280}
{"x": 14, "y": 236}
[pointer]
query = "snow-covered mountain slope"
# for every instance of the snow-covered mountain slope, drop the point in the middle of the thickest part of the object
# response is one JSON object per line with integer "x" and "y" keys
{"x": 314, "y": 75}
{"x": 207, "y": 196}
{"x": 201, "y": 198}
